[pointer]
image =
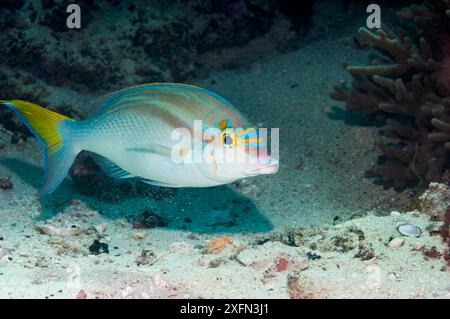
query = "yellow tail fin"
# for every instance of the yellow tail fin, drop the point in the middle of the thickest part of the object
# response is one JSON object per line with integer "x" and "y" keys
{"x": 45, "y": 124}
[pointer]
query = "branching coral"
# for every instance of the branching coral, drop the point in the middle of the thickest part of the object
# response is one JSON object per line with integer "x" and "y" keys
{"x": 407, "y": 81}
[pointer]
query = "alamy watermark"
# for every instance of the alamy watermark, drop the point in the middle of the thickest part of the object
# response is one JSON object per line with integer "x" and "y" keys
{"x": 73, "y": 21}
{"x": 374, "y": 19}
{"x": 229, "y": 145}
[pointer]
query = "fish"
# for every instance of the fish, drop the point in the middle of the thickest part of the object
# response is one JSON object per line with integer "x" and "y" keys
{"x": 163, "y": 134}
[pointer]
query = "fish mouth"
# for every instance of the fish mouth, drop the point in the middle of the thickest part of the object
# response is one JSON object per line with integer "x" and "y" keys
{"x": 270, "y": 168}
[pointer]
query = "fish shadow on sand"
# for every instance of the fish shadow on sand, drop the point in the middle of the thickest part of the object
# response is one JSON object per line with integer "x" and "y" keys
{"x": 219, "y": 209}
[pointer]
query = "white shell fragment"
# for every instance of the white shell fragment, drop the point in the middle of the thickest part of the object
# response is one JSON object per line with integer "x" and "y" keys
{"x": 396, "y": 242}
{"x": 60, "y": 232}
{"x": 409, "y": 230}
{"x": 396, "y": 214}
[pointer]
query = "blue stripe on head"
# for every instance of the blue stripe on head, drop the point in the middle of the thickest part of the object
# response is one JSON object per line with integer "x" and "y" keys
{"x": 258, "y": 144}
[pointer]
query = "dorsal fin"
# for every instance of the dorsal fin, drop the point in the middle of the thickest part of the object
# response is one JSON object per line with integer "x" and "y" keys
{"x": 104, "y": 102}
{"x": 101, "y": 103}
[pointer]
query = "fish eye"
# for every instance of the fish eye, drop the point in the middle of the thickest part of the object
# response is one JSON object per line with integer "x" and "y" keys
{"x": 228, "y": 139}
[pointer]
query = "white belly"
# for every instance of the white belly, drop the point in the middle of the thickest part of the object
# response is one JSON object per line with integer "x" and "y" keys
{"x": 154, "y": 166}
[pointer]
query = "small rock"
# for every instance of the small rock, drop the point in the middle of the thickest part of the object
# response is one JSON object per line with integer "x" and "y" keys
{"x": 373, "y": 280}
{"x": 101, "y": 228}
{"x": 259, "y": 264}
{"x": 391, "y": 276}
{"x": 327, "y": 109}
{"x": 432, "y": 253}
{"x": 217, "y": 262}
{"x": 313, "y": 256}
{"x": 395, "y": 214}
{"x": 145, "y": 258}
{"x": 181, "y": 247}
{"x": 396, "y": 242}
{"x": 126, "y": 292}
{"x": 300, "y": 287}
{"x": 61, "y": 232}
{"x": 215, "y": 246}
{"x": 435, "y": 199}
{"x": 98, "y": 247}
{"x": 281, "y": 264}
{"x": 433, "y": 229}
{"x": 121, "y": 223}
{"x": 149, "y": 219}
{"x": 286, "y": 262}
{"x": 65, "y": 247}
{"x": 81, "y": 294}
{"x": 139, "y": 234}
{"x": 159, "y": 281}
{"x": 5, "y": 183}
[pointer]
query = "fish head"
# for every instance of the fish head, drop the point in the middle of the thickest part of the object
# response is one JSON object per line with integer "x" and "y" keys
{"x": 236, "y": 153}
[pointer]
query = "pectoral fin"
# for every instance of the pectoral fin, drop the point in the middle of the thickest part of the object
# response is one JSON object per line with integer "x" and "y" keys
{"x": 111, "y": 169}
{"x": 152, "y": 149}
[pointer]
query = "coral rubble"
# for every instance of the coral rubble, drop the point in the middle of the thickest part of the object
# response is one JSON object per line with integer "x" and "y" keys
{"x": 435, "y": 200}
{"x": 146, "y": 41}
{"x": 408, "y": 83}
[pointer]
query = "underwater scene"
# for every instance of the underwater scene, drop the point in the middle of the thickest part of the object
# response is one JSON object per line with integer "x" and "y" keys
{"x": 224, "y": 149}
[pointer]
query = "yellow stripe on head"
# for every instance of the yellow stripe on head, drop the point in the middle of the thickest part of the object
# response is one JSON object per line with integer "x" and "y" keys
{"x": 250, "y": 140}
